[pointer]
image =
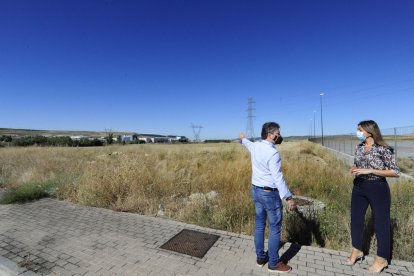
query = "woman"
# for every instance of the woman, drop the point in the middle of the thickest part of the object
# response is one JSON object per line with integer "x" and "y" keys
{"x": 372, "y": 164}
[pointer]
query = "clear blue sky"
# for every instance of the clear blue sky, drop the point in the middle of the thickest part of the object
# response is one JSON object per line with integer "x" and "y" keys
{"x": 156, "y": 66}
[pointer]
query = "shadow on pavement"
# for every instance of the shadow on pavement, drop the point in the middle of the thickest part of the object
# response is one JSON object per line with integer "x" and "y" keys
{"x": 290, "y": 253}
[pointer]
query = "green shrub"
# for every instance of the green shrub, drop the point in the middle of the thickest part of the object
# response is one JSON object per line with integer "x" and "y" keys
{"x": 87, "y": 143}
{"x": 29, "y": 192}
{"x": 29, "y": 141}
{"x": 5, "y": 138}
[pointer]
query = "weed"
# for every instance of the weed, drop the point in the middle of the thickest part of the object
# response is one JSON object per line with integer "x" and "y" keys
{"x": 28, "y": 192}
{"x": 154, "y": 179}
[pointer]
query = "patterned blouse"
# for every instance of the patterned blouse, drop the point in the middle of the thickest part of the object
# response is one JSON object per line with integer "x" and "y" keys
{"x": 377, "y": 158}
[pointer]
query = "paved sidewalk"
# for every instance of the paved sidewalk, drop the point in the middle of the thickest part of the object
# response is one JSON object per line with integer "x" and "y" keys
{"x": 51, "y": 237}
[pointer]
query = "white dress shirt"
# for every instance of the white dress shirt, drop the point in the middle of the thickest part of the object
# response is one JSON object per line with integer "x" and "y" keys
{"x": 266, "y": 166}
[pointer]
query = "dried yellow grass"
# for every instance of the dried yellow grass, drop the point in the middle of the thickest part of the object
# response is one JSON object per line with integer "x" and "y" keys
{"x": 173, "y": 181}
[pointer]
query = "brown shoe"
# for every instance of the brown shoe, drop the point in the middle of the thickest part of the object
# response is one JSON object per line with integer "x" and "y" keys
{"x": 280, "y": 268}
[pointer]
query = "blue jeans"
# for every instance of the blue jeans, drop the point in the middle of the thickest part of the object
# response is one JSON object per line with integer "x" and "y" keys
{"x": 268, "y": 205}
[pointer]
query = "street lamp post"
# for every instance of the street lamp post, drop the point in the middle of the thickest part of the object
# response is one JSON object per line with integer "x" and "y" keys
{"x": 310, "y": 129}
{"x": 314, "y": 124}
{"x": 321, "y": 94}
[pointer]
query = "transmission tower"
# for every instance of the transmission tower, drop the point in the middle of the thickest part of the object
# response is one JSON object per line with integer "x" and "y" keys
{"x": 250, "y": 116}
{"x": 196, "y": 131}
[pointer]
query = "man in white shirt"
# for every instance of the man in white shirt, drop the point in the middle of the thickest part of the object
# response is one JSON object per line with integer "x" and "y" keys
{"x": 268, "y": 190}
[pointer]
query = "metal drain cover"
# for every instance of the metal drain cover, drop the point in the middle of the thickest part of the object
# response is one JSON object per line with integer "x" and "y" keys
{"x": 191, "y": 242}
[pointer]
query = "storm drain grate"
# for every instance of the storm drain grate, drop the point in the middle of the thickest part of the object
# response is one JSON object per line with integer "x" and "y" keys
{"x": 191, "y": 242}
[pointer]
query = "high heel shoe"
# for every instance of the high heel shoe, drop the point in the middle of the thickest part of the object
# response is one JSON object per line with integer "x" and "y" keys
{"x": 351, "y": 262}
{"x": 375, "y": 269}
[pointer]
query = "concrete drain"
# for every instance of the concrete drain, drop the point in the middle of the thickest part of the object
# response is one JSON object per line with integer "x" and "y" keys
{"x": 309, "y": 207}
{"x": 191, "y": 243}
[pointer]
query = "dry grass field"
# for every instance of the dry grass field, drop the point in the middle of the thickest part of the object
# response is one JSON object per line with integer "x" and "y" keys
{"x": 205, "y": 184}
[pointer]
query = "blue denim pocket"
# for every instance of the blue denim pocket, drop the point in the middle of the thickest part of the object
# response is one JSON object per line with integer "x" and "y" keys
{"x": 270, "y": 200}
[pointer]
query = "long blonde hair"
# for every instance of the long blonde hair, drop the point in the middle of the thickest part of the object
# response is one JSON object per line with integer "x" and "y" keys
{"x": 372, "y": 128}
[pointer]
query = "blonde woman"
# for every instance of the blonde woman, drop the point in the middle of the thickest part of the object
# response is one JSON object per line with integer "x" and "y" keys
{"x": 373, "y": 162}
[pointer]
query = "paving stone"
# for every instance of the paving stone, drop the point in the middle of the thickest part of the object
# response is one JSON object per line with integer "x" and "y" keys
{"x": 60, "y": 238}
{"x": 316, "y": 266}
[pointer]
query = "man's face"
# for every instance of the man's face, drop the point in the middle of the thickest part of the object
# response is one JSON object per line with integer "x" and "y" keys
{"x": 279, "y": 140}
{"x": 275, "y": 136}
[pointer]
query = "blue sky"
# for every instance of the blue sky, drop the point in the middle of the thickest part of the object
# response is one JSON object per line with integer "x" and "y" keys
{"x": 157, "y": 66}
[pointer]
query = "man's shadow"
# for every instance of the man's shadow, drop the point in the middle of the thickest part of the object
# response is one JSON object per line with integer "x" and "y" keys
{"x": 290, "y": 253}
{"x": 301, "y": 230}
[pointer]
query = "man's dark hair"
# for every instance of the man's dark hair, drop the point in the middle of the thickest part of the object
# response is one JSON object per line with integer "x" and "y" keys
{"x": 269, "y": 127}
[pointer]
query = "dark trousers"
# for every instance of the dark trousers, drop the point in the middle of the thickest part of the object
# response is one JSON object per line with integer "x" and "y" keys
{"x": 375, "y": 193}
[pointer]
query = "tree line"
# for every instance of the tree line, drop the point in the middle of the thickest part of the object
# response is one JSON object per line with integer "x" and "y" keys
{"x": 39, "y": 140}
{"x": 66, "y": 141}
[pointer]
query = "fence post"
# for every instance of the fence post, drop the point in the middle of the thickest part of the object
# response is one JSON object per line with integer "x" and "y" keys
{"x": 395, "y": 142}
{"x": 344, "y": 146}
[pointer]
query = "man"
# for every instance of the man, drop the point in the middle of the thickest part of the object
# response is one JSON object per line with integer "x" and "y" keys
{"x": 268, "y": 190}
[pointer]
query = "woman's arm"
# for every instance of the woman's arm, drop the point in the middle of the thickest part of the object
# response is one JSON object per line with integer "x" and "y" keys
{"x": 384, "y": 173}
{"x": 390, "y": 163}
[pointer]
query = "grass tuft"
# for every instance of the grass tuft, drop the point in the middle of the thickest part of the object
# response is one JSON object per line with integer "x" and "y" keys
{"x": 29, "y": 192}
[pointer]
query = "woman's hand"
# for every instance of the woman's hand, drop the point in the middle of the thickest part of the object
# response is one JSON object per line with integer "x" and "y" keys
{"x": 356, "y": 171}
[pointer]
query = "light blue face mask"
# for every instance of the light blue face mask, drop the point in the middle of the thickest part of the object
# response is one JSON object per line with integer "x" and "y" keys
{"x": 360, "y": 136}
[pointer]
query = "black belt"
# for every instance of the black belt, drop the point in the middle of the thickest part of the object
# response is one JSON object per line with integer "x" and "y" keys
{"x": 265, "y": 188}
